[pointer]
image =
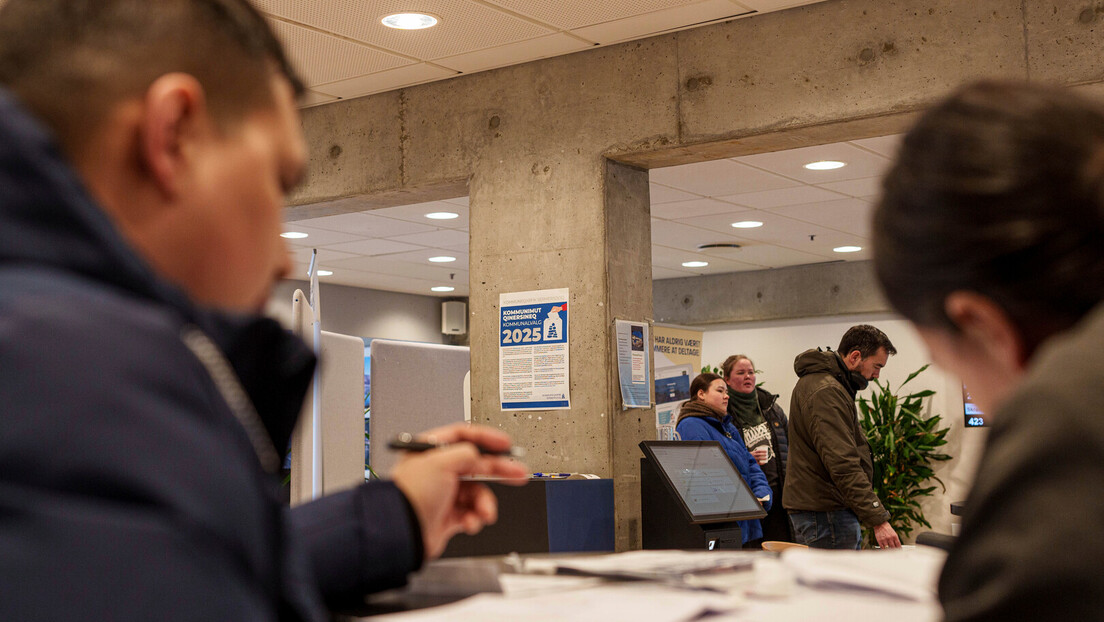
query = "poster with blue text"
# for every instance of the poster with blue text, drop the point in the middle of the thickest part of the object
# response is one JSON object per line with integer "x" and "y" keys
{"x": 533, "y": 350}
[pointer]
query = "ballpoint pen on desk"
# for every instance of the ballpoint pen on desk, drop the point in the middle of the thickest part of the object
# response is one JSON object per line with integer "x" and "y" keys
{"x": 406, "y": 442}
{"x": 551, "y": 475}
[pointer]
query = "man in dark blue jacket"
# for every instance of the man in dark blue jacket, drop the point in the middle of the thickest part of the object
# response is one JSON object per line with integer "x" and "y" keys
{"x": 145, "y": 151}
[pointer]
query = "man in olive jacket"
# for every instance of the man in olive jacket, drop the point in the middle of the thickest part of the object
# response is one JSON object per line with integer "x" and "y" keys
{"x": 828, "y": 490}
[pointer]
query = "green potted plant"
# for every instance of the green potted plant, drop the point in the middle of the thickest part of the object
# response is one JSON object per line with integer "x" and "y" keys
{"x": 905, "y": 444}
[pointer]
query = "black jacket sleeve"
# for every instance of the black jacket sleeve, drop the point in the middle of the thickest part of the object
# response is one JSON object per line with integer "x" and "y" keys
{"x": 359, "y": 541}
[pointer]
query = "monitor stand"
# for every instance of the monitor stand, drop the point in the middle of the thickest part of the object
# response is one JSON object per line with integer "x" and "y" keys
{"x": 665, "y": 525}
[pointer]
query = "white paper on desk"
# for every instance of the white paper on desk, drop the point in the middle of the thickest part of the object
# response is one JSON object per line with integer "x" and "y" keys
{"x": 645, "y": 564}
{"x": 608, "y": 603}
{"x": 904, "y": 573}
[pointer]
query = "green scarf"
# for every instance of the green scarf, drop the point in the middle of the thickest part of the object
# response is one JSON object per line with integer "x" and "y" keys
{"x": 744, "y": 408}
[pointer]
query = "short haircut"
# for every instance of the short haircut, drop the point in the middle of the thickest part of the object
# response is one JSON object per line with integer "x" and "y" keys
{"x": 866, "y": 339}
{"x": 999, "y": 190}
{"x": 731, "y": 361}
{"x": 701, "y": 383}
{"x": 71, "y": 61}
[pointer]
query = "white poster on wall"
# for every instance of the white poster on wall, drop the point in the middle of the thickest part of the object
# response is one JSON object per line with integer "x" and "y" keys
{"x": 632, "y": 363}
{"x": 533, "y": 350}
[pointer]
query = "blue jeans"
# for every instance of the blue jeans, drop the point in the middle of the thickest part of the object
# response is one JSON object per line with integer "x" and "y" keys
{"x": 839, "y": 529}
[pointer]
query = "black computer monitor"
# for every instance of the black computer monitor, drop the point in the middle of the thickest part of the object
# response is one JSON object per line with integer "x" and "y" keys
{"x": 704, "y": 480}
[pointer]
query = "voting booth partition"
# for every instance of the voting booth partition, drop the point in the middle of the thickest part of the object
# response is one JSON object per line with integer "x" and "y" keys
{"x": 415, "y": 387}
{"x": 341, "y": 417}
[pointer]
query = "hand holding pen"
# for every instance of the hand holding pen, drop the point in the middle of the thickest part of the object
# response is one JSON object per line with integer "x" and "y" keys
{"x": 406, "y": 442}
{"x": 434, "y": 481}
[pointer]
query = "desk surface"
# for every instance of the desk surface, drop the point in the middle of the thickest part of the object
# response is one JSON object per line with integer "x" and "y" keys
{"x": 844, "y": 586}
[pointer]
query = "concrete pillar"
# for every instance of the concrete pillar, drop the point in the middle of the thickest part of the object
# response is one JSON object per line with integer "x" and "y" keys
{"x": 567, "y": 221}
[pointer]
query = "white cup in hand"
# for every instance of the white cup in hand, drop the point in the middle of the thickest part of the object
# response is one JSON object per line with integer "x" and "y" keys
{"x": 760, "y": 455}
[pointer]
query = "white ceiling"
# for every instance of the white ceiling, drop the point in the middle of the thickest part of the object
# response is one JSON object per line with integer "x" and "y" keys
{"x": 343, "y": 51}
{"x": 805, "y": 214}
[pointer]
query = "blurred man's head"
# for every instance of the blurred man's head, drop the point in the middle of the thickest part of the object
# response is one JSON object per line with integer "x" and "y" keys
{"x": 987, "y": 236}
{"x": 180, "y": 117}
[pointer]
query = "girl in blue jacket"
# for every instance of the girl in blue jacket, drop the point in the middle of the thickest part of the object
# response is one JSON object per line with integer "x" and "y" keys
{"x": 705, "y": 418}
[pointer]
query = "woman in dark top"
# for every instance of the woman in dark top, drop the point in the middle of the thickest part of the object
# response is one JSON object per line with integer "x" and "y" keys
{"x": 762, "y": 423}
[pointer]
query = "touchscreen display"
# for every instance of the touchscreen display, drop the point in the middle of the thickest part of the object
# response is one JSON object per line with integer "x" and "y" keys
{"x": 705, "y": 479}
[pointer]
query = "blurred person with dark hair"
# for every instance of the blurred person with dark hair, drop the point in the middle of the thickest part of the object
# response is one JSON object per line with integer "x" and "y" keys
{"x": 988, "y": 239}
{"x": 145, "y": 151}
{"x": 762, "y": 423}
{"x": 704, "y": 417}
{"x": 829, "y": 491}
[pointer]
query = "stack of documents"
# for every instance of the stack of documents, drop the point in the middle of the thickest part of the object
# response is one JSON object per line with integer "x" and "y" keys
{"x": 912, "y": 573}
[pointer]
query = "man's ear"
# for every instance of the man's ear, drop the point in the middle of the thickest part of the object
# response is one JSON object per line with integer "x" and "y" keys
{"x": 988, "y": 327}
{"x": 852, "y": 360}
{"x": 175, "y": 115}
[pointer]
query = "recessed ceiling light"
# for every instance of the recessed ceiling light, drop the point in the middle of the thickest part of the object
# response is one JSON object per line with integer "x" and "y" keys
{"x": 409, "y": 21}
{"x": 293, "y": 235}
{"x": 442, "y": 288}
{"x": 825, "y": 165}
{"x": 747, "y": 224}
{"x": 847, "y": 249}
{"x": 442, "y": 215}
{"x": 442, "y": 259}
{"x": 325, "y": 273}
{"x": 695, "y": 264}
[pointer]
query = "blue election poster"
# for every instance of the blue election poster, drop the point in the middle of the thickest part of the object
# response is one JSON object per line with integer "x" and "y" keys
{"x": 533, "y": 350}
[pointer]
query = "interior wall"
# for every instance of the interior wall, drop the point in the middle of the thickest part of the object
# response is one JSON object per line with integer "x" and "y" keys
{"x": 773, "y": 345}
{"x": 366, "y": 312}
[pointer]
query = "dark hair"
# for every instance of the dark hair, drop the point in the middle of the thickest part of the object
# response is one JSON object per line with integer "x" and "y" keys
{"x": 731, "y": 361}
{"x": 999, "y": 190}
{"x": 701, "y": 383}
{"x": 866, "y": 339}
{"x": 71, "y": 61}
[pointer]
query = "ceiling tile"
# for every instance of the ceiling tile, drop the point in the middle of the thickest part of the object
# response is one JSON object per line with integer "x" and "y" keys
{"x": 325, "y": 255}
{"x": 465, "y": 26}
{"x": 865, "y": 187}
{"x": 440, "y": 238}
{"x": 689, "y": 209}
{"x": 771, "y": 256}
{"x": 782, "y": 196}
{"x": 416, "y": 213}
{"x": 672, "y": 259}
{"x": 659, "y": 272}
{"x": 374, "y": 247}
{"x": 675, "y": 235}
{"x": 316, "y": 237}
{"x": 421, "y": 257}
{"x": 718, "y": 178}
{"x": 366, "y": 225}
{"x": 846, "y": 215}
{"x": 860, "y": 162}
{"x": 388, "y": 265}
{"x": 321, "y": 58}
{"x": 514, "y": 53}
{"x": 385, "y": 80}
{"x": 659, "y": 194}
{"x": 776, "y": 229}
{"x": 568, "y": 15}
{"x": 882, "y": 145}
{"x": 664, "y": 20}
